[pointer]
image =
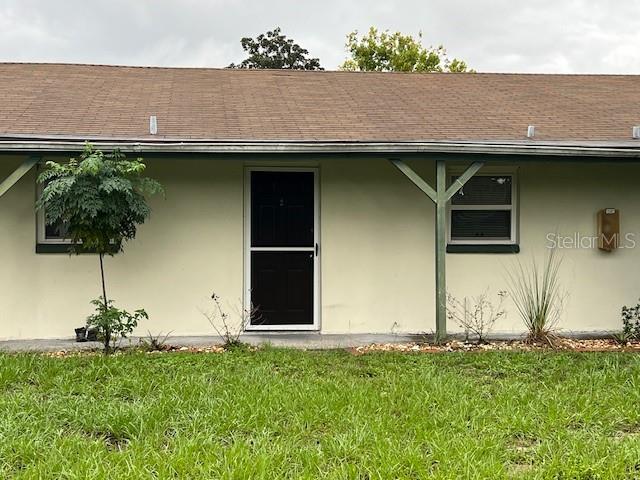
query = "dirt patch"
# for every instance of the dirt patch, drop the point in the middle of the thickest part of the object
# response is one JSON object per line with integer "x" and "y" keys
{"x": 515, "y": 470}
{"x": 625, "y": 432}
{"x": 522, "y": 451}
{"x": 522, "y": 444}
{"x": 112, "y": 441}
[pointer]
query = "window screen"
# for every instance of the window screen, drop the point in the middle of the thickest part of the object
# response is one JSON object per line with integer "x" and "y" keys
{"x": 55, "y": 232}
{"x": 480, "y": 224}
{"x": 484, "y": 190}
{"x": 482, "y": 211}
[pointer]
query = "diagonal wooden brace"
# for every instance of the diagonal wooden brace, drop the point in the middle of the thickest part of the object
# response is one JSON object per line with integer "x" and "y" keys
{"x": 440, "y": 196}
{"x": 462, "y": 179}
{"x": 19, "y": 172}
{"x": 415, "y": 178}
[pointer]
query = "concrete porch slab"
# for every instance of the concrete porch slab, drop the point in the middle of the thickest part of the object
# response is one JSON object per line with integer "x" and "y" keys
{"x": 311, "y": 340}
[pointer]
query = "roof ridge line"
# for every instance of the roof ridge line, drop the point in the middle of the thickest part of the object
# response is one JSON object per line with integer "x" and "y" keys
{"x": 283, "y": 70}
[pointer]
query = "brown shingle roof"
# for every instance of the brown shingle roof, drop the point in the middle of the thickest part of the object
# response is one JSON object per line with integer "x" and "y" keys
{"x": 87, "y": 101}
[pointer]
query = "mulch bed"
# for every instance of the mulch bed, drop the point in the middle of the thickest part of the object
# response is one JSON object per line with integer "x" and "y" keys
{"x": 560, "y": 344}
{"x": 166, "y": 349}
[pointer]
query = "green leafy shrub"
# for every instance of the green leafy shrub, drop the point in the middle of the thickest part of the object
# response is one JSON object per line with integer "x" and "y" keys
{"x": 630, "y": 323}
{"x": 112, "y": 323}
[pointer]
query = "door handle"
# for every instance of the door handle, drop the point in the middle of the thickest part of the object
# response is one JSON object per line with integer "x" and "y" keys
{"x": 317, "y": 249}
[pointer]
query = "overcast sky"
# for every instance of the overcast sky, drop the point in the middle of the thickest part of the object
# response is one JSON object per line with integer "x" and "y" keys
{"x": 556, "y": 36}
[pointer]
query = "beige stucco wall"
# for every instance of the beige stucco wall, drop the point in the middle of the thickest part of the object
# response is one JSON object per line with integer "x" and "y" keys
{"x": 564, "y": 199}
{"x": 377, "y": 250}
{"x": 377, "y": 272}
{"x": 191, "y": 245}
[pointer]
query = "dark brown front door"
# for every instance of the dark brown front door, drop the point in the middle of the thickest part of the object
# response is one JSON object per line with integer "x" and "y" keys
{"x": 282, "y": 248}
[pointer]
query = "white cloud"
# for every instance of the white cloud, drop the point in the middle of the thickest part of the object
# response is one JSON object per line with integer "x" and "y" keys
{"x": 491, "y": 35}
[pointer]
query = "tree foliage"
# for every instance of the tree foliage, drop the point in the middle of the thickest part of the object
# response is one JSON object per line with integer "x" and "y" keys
{"x": 274, "y": 50}
{"x": 395, "y": 52}
{"x": 100, "y": 199}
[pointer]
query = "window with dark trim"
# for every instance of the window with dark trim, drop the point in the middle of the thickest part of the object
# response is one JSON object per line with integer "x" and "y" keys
{"x": 483, "y": 212}
{"x": 56, "y": 233}
{"x": 49, "y": 234}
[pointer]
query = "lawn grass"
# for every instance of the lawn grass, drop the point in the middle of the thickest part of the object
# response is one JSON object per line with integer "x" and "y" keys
{"x": 292, "y": 414}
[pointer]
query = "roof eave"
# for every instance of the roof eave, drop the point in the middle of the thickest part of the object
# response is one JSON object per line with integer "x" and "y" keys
{"x": 591, "y": 149}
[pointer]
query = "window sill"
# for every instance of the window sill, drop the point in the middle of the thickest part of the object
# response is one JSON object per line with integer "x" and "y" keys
{"x": 46, "y": 248}
{"x": 483, "y": 248}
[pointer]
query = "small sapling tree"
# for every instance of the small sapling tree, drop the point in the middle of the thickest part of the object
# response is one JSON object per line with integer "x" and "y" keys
{"x": 101, "y": 200}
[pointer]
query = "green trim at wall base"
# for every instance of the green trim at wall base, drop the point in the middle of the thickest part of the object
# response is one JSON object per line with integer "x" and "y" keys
{"x": 483, "y": 248}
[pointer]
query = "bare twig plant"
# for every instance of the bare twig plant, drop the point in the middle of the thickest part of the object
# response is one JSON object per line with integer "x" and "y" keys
{"x": 477, "y": 315}
{"x": 538, "y": 296}
{"x": 230, "y": 327}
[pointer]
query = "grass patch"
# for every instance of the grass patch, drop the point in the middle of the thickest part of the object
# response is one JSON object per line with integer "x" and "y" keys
{"x": 293, "y": 414}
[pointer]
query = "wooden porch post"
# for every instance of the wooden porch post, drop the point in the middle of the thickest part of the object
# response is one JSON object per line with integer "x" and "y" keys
{"x": 441, "y": 250}
{"x": 440, "y": 196}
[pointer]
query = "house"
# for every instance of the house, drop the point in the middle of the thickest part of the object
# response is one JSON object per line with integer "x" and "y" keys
{"x": 331, "y": 200}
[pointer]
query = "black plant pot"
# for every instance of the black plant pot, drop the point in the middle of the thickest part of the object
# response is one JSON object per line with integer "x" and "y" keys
{"x": 92, "y": 335}
{"x": 81, "y": 334}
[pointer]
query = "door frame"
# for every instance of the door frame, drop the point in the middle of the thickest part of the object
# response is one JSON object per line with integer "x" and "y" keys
{"x": 315, "y": 248}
